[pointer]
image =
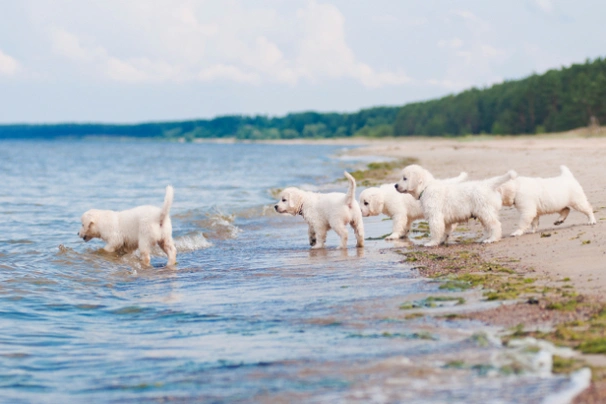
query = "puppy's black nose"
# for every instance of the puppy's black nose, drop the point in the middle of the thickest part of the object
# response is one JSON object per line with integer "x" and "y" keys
{"x": 276, "y": 207}
{"x": 396, "y": 186}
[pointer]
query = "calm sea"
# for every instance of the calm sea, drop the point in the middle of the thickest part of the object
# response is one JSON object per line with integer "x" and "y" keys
{"x": 251, "y": 314}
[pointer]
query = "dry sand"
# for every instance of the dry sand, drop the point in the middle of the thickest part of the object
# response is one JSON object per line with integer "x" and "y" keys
{"x": 573, "y": 249}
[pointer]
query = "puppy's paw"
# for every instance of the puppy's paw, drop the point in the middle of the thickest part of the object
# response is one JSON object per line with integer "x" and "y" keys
{"x": 517, "y": 233}
{"x": 393, "y": 236}
{"x": 431, "y": 244}
{"x": 489, "y": 241}
{"x": 592, "y": 222}
{"x": 360, "y": 244}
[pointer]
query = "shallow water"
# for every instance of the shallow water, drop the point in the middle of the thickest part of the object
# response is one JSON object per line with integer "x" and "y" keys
{"x": 251, "y": 314}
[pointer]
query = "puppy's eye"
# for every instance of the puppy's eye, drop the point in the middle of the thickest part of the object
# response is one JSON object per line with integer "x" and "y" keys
{"x": 365, "y": 203}
{"x": 404, "y": 179}
{"x": 283, "y": 199}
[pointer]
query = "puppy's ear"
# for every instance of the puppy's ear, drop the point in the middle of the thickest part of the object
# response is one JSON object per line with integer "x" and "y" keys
{"x": 414, "y": 181}
{"x": 291, "y": 200}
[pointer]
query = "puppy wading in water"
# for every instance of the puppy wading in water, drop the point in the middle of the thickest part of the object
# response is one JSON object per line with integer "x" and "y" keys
{"x": 139, "y": 228}
{"x": 323, "y": 212}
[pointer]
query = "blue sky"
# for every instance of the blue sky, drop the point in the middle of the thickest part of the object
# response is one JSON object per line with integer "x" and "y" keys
{"x": 152, "y": 60}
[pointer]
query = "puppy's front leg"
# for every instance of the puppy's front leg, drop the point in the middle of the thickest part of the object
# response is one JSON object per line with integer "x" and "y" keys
{"x": 109, "y": 248}
{"x": 436, "y": 228}
{"x": 563, "y": 215}
{"x": 312, "y": 235}
{"x": 400, "y": 228}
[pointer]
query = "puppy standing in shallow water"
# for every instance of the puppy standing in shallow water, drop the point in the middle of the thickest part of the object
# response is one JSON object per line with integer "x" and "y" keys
{"x": 534, "y": 197}
{"x": 323, "y": 212}
{"x": 139, "y": 228}
{"x": 402, "y": 208}
{"x": 445, "y": 204}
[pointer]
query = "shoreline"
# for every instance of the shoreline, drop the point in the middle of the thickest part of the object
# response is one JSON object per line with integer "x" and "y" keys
{"x": 555, "y": 275}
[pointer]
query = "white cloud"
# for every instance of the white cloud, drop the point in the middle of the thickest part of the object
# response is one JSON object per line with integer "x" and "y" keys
{"x": 453, "y": 43}
{"x": 545, "y": 5}
{"x": 226, "y": 72}
{"x": 178, "y": 42}
{"x": 8, "y": 65}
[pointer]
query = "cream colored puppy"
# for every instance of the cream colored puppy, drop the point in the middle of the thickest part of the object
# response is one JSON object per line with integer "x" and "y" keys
{"x": 534, "y": 197}
{"x": 445, "y": 204}
{"x": 323, "y": 212}
{"x": 139, "y": 228}
{"x": 402, "y": 208}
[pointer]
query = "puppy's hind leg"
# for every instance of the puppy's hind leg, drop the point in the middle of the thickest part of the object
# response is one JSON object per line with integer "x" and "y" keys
{"x": 563, "y": 215}
{"x": 358, "y": 226}
{"x": 583, "y": 206}
{"x": 312, "y": 235}
{"x": 341, "y": 230}
{"x": 168, "y": 246}
{"x": 492, "y": 227}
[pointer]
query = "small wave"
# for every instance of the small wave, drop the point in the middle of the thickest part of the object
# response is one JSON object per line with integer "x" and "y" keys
{"x": 221, "y": 225}
{"x": 192, "y": 243}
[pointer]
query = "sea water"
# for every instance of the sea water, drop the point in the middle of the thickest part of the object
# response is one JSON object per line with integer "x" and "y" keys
{"x": 251, "y": 314}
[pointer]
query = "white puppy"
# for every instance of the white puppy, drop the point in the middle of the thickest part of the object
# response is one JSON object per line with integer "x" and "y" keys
{"x": 534, "y": 197}
{"x": 323, "y": 212}
{"x": 139, "y": 228}
{"x": 445, "y": 204}
{"x": 402, "y": 208}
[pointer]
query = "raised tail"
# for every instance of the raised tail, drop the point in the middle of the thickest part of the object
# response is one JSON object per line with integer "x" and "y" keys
{"x": 564, "y": 171}
{"x": 351, "y": 191}
{"x": 498, "y": 181}
{"x": 460, "y": 178}
{"x": 168, "y": 201}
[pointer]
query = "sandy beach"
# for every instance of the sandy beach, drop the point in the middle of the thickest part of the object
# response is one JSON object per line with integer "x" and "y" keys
{"x": 573, "y": 249}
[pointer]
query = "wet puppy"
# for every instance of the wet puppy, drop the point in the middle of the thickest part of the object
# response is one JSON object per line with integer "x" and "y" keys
{"x": 445, "y": 204}
{"x": 534, "y": 197}
{"x": 402, "y": 208}
{"x": 323, "y": 212}
{"x": 139, "y": 228}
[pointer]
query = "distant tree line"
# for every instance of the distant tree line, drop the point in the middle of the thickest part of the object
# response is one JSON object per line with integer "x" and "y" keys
{"x": 555, "y": 101}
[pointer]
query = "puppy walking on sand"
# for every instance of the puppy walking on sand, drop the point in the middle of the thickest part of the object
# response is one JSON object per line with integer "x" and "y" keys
{"x": 140, "y": 228}
{"x": 445, "y": 204}
{"x": 323, "y": 212}
{"x": 402, "y": 208}
{"x": 534, "y": 197}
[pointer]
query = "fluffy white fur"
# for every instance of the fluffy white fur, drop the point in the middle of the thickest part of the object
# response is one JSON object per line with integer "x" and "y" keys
{"x": 534, "y": 197}
{"x": 403, "y": 209}
{"x": 139, "y": 228}
{"x": 445, "y": 204}
{"x": 323, "y": 212}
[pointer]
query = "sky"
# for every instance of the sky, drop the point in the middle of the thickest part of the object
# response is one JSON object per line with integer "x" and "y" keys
{"x": 133, "y": 61}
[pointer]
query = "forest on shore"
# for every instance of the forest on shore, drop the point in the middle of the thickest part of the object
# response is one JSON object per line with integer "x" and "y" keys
{"x": 558, "y": 100}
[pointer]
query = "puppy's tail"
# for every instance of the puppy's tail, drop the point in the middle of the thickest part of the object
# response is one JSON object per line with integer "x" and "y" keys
{"x": 565, "y": 172}
{"x": 459, "y": 178}
{"x": 498, "y": 181}
{"x": 168, "y": 201}
{"x": 351, "y": 191}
